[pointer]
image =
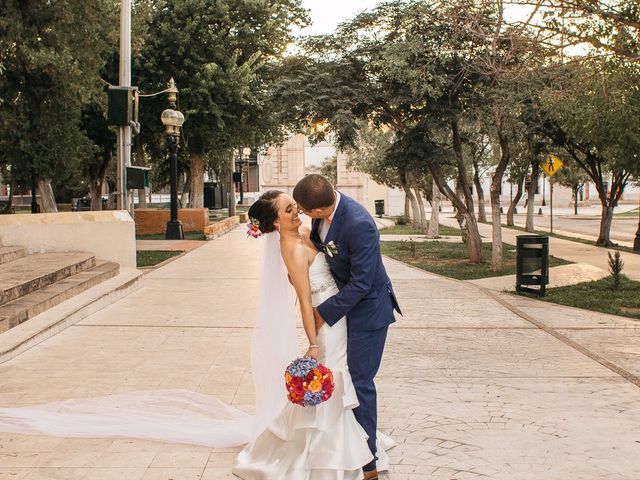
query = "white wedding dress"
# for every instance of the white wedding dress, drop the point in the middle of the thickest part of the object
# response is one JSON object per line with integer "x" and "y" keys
{"x": 324, "y": 442}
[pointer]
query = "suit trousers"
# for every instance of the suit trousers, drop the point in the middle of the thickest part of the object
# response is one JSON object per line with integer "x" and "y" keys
{"x": 364, "y": 354}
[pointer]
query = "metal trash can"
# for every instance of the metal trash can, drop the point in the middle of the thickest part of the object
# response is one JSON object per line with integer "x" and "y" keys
{"x": 379, "y": 207}
{"x": 532, "y": 263}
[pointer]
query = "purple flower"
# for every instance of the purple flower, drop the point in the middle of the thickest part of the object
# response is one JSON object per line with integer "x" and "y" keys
{"x": 311, "y": 399}
{"x": 301, "y": 367}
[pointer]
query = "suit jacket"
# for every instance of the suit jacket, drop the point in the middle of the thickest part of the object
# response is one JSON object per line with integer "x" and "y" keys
{"x": 366, "y": 295}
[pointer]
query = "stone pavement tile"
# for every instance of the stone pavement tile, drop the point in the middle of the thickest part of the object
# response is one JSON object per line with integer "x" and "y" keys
{"x": 181, "y": 456}
{"x": 77, "y": 452}
{"x": 514, "y": 428}
{"x": 559, "y": 316}
{"x": 462, "y": 313}
{"x": 218, "y": 473}
{"x": 129, "y": 453}
{"x": 13, "y": 473}
{"x": 173, "y": 474}
{"x": 158, "y": 303}
{"x": 116, "y": 473}
{"x": 620, "y": 346}
{"x": 58, "y": 474}
{"x": 465, "y": 354}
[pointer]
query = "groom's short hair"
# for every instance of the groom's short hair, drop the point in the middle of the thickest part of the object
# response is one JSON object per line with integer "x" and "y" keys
{"x": 314, "y": 191}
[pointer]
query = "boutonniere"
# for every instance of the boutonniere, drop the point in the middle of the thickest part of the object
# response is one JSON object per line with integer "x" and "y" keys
{"x": 331, "y": 248}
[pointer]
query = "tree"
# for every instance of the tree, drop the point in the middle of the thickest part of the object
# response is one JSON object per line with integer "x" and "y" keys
{"x": 46, "y": 79}
{"x": 221, "y": 54}
{"x": 329, "y": 169}
{"x": 594, "y": 116}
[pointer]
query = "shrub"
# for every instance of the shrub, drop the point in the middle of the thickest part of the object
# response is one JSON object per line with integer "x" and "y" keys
{"x": 615, "y": 268}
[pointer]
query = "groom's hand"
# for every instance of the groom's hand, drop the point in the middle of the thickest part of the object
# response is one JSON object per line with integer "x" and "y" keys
{"x": 318, "y": 318}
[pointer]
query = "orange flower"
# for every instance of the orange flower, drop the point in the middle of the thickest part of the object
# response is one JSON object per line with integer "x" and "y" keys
{"x": 315, "y": 386}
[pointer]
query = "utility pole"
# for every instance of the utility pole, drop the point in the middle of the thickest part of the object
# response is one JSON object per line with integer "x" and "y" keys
{"x": 124, "y": 132}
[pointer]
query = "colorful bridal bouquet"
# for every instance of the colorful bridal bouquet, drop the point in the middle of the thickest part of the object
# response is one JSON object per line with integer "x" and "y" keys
{"x": 308, "y": 382}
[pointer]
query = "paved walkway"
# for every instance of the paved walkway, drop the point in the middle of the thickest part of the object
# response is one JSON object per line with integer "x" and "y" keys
{"x": 471, "y": 387}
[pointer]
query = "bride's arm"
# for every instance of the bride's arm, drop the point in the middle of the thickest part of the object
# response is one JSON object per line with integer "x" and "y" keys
{"x": 297, "y": 263}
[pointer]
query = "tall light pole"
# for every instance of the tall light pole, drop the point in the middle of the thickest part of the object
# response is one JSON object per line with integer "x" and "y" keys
{"x": 124, "y": 132}
{"x": 172, "y": 119}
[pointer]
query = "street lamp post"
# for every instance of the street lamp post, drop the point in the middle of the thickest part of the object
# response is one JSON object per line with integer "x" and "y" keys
{"x": 34, "y": 187}
{"x": 172, "y": 120}
{"x": 246, "y": 152}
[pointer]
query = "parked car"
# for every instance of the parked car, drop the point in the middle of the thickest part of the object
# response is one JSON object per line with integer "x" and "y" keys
{"x": 80, "y": 204}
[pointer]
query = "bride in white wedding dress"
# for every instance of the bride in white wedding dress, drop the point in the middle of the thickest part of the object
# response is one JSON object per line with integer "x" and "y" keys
{"x": 324, "y": 442}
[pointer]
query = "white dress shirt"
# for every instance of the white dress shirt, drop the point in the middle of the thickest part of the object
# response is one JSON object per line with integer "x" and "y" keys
{"x": 326, "y": 222}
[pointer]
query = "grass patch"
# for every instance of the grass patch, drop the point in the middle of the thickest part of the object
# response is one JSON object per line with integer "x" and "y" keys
{"x": 598, "y": 296}
{"x": 450, "y": 259}
{"x": 161, "y": 236}
{"x": 630, "y": 214}
{"x": 150, "y": 258}
{"x": 444, "y": 231}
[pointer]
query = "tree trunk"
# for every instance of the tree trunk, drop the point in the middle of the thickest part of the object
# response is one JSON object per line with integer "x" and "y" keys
{"x": 47, "y": 198}
{"x": 482, "y": 211}
{"x": 415, "y": 211}
{"x": 496, "y": 182}
{"x": 463, "y": 181}
{"x": 434, "y": 223}
{"x": 466, "y": 220}
{"x": 196, "y": 190}
{"x": 606, "y": 218}
{"x": 12, "y": 189}
{"x": 185, "y": 188}
{"x": 95, "y": 192}
{"x": 575, "y": 199}
{"x": 422, "y": 221}
{"x": 407, "y": 209}
{"x": 514, "y": 202}
{"x": 531, "y": 195}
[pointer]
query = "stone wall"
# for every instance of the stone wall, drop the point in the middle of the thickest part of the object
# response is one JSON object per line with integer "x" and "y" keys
{"x": 221, "y": 227}
{"x": 109, "y": 235}
{"x": 151, "y": 221}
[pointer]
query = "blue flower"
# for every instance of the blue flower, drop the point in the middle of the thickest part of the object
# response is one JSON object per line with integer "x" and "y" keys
{"x": 311, "y": 399}
{"x": 301, "y": 367}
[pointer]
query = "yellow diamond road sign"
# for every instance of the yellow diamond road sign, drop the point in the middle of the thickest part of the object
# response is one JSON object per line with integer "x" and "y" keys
{"x": 552, "y": 165}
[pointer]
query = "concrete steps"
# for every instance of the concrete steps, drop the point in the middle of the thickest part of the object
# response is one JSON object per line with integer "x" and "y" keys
{"x": 28, "y": 274}
{"x": 27, "y": 306}
{"x": 8, "y": 254}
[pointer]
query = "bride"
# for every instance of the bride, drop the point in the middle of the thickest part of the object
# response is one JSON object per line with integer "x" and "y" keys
{"x": 325, "y": 441}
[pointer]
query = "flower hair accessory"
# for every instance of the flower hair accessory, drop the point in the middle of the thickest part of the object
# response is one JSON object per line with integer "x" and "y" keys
{"x": 254, "y": 228}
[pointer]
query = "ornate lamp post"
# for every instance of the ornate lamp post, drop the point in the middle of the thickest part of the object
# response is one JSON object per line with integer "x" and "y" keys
{"x": 246, "y": 152}
{"x": 172, "y": 120}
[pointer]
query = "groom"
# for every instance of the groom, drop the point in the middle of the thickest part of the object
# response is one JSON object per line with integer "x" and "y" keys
{"x": 347, "y": 234}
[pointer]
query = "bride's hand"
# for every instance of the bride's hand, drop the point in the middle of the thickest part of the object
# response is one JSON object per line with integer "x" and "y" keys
{"x": 312, "y": 352}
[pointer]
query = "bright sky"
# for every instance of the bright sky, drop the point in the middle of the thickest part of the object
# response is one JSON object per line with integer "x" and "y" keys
{"x": 327, "y": 14}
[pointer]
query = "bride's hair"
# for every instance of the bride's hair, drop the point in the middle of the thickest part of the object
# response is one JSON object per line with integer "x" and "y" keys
{"x": 265, "y": 211}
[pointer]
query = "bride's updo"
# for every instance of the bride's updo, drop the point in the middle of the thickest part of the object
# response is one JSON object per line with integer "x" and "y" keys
{"x": 265, "y": 211}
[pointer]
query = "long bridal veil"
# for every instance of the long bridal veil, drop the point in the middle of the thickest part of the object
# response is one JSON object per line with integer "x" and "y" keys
{"x": 181, "y": 416}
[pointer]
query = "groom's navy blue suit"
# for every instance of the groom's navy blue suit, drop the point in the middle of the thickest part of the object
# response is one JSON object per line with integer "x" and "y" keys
{"x": 366, "y": 298}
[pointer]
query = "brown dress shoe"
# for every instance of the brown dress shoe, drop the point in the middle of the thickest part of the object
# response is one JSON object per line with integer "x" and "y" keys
{"x": 372, "y": 475}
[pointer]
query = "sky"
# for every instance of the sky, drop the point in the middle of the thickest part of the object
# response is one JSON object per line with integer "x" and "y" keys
{"x": 327, "y": 14}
